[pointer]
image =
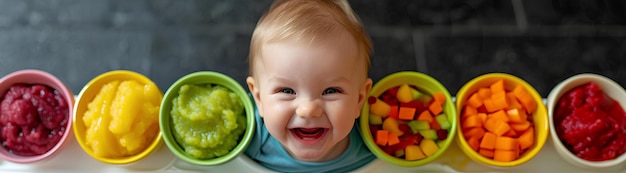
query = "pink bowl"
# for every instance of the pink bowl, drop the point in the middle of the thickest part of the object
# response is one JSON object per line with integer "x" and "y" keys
{"x": 31, "y": 76}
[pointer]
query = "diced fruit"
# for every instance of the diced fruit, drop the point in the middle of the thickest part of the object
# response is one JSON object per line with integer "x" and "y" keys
{"x": 391, "y": 125}
{"x": 429, "y": 147}
{"x": 442, "y": 134}
{"x": 394, "y": 112}
{"x": 442, "y": 119}
{"x": 406, "y": 113}
{"x": 393, "y": 139}
{"x": 375, "y": 119}
{"x": 425, "y": 116}
{"x": 406, "y": 124}
{"x": 404, "y": 94}
{"x": 380, "y": 108}
{"x": 413, "y": 152}
{"x": 417, "y": 125}
{"x": 382, "y": 136}
{"x": 429, "y": 134}
{"x": 416, "y": 94}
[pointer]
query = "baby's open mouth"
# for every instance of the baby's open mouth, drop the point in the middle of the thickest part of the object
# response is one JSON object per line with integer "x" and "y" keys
{"x": 309, "y": 134}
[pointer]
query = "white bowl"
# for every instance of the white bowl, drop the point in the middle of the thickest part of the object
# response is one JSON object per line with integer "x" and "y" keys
{"x": 610, "y": 88}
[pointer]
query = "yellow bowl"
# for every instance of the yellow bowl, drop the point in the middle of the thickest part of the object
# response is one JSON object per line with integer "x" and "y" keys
{"x": 424, "y": 82}
{"x": 540, "y": 117}
{"x": 88, "y": 93}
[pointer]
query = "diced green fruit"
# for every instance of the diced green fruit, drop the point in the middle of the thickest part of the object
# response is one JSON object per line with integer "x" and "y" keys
{"x": 404, "y": 94}
{"x": 375, "y": 119}
{"x": 425, "y": 98}
{"x": 391, "y": 125}
{"x": 416, "y": 94}
{"x": 442, "y": 119}
{"x": 380, "y": 108}
{"x": 429, "y": 147}
{"x": 429, "y": 134}
{"x": 417, "y": 125}
{"x": 440, "y": 143}
{"x": 399, "y": 153}
{"x": 413, "y": 152}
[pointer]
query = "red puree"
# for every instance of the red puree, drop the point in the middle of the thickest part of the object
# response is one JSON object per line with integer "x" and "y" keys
{"x": 32, "y": 119}
{"x": 591, "y": 124}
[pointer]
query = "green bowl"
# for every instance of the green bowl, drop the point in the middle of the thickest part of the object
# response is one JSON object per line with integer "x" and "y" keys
{"x": 205, "y": 77}
{"x": 425, "y": 83}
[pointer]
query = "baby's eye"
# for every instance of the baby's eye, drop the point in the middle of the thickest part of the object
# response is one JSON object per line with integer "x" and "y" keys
{"x": 332, "y": 91}
{"x": 287, "y": 91}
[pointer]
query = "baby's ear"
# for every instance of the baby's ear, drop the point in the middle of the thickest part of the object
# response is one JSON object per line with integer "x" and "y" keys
{"x": 254, "y": 90}
{"x": 363, "y": 91}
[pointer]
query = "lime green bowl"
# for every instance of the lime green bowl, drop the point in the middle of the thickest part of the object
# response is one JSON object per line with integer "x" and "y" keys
{"x": 87, "y": 94}
{"x": 540, "y": 117}
{"x": 425, "y": 83}
{"x": 205, "y": 77}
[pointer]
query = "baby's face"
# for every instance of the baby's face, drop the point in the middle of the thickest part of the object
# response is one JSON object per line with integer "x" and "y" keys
{"x": 310, "y": 94}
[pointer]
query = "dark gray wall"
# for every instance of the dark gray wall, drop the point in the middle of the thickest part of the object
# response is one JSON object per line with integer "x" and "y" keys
{"x": 541, "y": 41}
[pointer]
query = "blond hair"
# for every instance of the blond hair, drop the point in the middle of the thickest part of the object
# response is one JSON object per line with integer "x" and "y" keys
{"x": 308, "y": 19}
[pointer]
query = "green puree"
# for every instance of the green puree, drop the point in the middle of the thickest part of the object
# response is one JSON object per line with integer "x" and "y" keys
{"x": 207, "y": 120}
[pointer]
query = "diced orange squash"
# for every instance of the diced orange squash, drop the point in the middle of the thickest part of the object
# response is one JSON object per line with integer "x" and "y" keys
{"x": 513, "y": 102}
{"x": 475, "y": 100}
{"x": 425, "y": 116}
{"x": 486, "y": 152}
{"x": 382, "y": 136}
{"x": 484, "y": 93}
{"x": 393, "y": 139}
{"x": 497, "y": 86}
{"x": 393, "y": 111}
{"x": 516, "y": 116}
{"x": 525, "y": 99}
{"x": 439, "y": 97}
{"x": 477, "y": 132}
{"x": 488, "y": 141}
{"x": 504, "y": 155}
{"x": 435, "y": 108}
{"x": 499, "y": 100}
{"x": 496, "y": 126}
{"x": 471, "y": 122}
{"x": 469, "y": 110}
{"x": 521, "y": 126}
{"x": 483, "y": 117}
{"x": 489, "y": 105}
{"x": 500, "y": 115}
{"x": 406, "y": 113}
{"x": 527, "y": 138}
{"x": 511, "y": 133}
{"x": 506, "y": 143}
{"x": 473, "y": 143}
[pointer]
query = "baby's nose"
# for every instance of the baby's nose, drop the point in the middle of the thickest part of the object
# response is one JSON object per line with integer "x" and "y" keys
{"x": 310, "y": 109}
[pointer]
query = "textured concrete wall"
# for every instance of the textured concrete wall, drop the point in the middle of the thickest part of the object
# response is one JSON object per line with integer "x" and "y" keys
{"x": 541, "y": 41}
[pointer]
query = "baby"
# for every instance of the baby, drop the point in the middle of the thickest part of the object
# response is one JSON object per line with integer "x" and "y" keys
{"x": 309, "y": 61}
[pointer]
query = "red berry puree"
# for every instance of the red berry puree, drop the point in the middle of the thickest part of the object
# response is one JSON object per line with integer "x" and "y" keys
{"x": 591, "y": 124}
{"x": 32, "y": 119}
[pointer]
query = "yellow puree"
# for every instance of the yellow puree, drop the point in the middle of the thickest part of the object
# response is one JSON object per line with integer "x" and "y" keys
{"x": 122, "y": 120}
{"x": 207, "y": 120}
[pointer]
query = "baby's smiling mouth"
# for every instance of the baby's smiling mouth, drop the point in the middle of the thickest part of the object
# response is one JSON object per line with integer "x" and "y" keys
{"x": 308, "y": 135}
